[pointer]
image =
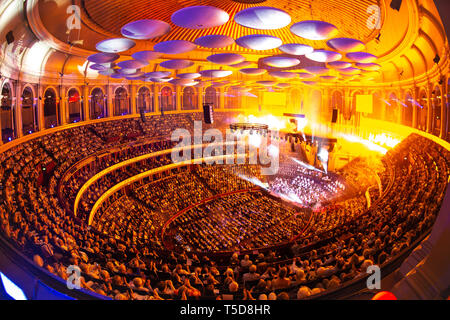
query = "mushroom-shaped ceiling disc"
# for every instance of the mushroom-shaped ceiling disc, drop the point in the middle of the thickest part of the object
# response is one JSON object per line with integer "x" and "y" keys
{"x": 145, "y": 29}
{"x": 253, "y": 71}
{"x": 310, "y": 83}
{"x": 174, "y": 46}
{"x": 368, "y": 66}
{"x": 158, "y": 74}
{"x": 314, "y": 30}
{"x": 283, "y": 74}
{"x": 200, "y": 17}
{"x": 296, "y": 49}
{"x": 362, "y": 57}
{"x": 103, "y": 57}
{"x": 263, "y": 18}
{"x": 215, "y": 73}
{"x": 303, "y": 75}
{"x": 317, "y": 69}
{"x": 323, "y": 56}
{"x": 281, "y": 62}
{"x": 115, "y": 45}
{"x": 146, "y": 55}
{"x": 339, "y": 64}
{"x": 350, "y": 71}
{"x": 242, "y": 64}
{"x": 346, "y": 44}
{"x": 226, "y": 58}
{"x": 214, "y": 41}
{"x": 189, "y": 75}
{"x": 176, "y": 64}
{"x": 259, "y": 42}
{"x": 132, "y": 64}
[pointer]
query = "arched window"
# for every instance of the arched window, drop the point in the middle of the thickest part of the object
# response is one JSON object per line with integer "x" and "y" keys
{"x": 145, "y": 100}
{"x": 233, "y": 100}
{"x": 167, "y": 99}
{"x": 436, "y": 108}
{"x": 74, "y": 105}
{"x": 189, "y": 99}
{"x": 50, "y": 109}
{"x": 422, "y": 112}
{"x": 408, "y": 110}
{"x": 315, "y": 104}
{"x": 121, "y": 102}
{"x": 6, "y": 115}
{"x": 29, "y": 123}
{"x": 337, "y": 101}
{"x": 212, "y": 97}
{"x": 297, "y": 100}
{"x": 97, "y": 108}
{"x": 378, "y": 105}
{"x": 392, "y": 108}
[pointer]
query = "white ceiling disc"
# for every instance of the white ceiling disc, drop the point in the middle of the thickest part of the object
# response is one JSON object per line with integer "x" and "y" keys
{"x": 145, "y": 29}
{"x": 115, "y": 45}
{"x": 263, "y": 18}
{"x": 200, "y": 17}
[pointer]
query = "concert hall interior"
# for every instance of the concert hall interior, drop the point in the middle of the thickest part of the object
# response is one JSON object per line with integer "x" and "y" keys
{"x": 224, "y": 149}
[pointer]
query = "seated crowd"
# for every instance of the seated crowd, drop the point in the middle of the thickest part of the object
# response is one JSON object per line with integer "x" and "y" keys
{"x": 120, "y": 255}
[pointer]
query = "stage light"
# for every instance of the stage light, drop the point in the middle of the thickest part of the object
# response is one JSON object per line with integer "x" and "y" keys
{"x": 396, "y": 4}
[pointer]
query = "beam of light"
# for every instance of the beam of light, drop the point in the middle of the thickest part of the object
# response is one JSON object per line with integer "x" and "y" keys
{"x": 255, "y": 181}
{"x": 383, "y": 140}
{"x": 305, "y": 165}
{"x": 370, "y": 145}
{"x": 12, "y": 289}
{"x": 255, "y": 140}
{"x": 385, "y": 101}
{"x": 323, "y": 157}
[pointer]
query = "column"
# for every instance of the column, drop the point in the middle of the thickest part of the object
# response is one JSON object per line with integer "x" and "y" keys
{"x": 200, "y": 98}
{"x": 221, "y": 97}
{"x": 155, "y": 97}
{"x": 178, "y": 97}
{"x": 40, "y": 109}
{"x": 18, "y": 111}
{"x": 429, "y": 110}
{"x": 109, "y": 99}
{"x": 413, "y": 104}
{"x": 443, "y": 132}
{"x": 63, "y": 106}
{"x": 85, "y": 106}
{"x": 133, "y": 99}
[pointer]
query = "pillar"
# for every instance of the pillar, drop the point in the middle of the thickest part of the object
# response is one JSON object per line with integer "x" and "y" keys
{"x": 415, "y": 94}
{"x": 40, "y": 108}
{"x": 133, "y": 99}
{"x": 156, "y": 98}
{"x": 63, "y": 114}
{"x": 178, "y": 97}
{"x": 444, "y": 98}
{"x": 429, "y": 109}
{"x": 109, "y": 99}
{"x": 18, "y": 111}
{"x": 85, "y": 106}
{"x": 200, "y": 98}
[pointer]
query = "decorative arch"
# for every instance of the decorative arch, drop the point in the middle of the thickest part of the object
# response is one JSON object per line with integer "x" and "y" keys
{"x": 189, "y": 98}
{"x": 436, "y": 114}
{"x": 297, "y": 100}
{"x": 7, "y": 112}
{"x": 50, "y": 108}
{"x": 392, "y": 108}
{"x": 97, "y": 104}
{"x": 408, "y": 110}
{"x": 232, "y": 98}
{"x": 145, "y": 102}
{"x": 167, "y": 99}
{"x": 74, "y": 105}
{"x": 378, "y": 104}
{"x": 121, "y": 102}
{"x": 212, "y": 97}
{"x": 29, "y": 112}
{"x": 422, "y": 110}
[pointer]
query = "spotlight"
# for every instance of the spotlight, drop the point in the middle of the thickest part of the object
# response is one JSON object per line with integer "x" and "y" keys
{"x": 396, "y": 4}
{"x": 437, "y": 59}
